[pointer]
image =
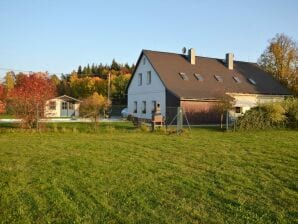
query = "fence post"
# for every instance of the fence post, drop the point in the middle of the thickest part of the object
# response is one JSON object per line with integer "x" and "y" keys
{"x": 179, "y": 119}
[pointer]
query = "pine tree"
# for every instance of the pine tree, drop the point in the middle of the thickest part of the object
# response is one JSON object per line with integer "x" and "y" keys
{"x": 79, "y": 70}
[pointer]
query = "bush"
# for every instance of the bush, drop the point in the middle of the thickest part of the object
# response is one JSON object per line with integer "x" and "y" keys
{"x": 291, "y": 107}
{"x": 263, "y": 117}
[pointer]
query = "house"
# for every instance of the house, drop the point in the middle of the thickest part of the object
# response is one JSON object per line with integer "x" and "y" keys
{"x": 197, "y": 84}
{"x": 62, "y": 106}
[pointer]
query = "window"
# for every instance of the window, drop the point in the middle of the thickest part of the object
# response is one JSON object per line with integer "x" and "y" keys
{"x": 153, "y": 105}
{"x": 144, "y": 107}
{"x": 183, "y": 76}
{"x": 236, "y": 79}
{"x": 70, "y": 106}
{"x": 144, "y": 60}
{"x": 199, "y": 77}
{"x": 148, "y": 77}
{"x": 64, "y": 105}
{"x": 140, "y": 79}
{"x": 52, "y": 105}
{"x": 218, "y": 78}
{"x": 252, "y": 81}
{"x": 135, "y": 107}
{"x": 238, "y": 110}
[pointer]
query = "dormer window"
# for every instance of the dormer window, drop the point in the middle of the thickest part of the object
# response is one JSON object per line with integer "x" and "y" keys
{"x": 218, "y": 78}
{"x": 199, "y": 77}
{"x": 252, "y": 81}
{"x": 237, "y": 79}
{"x": 183, "y": 76}
{"x": 140, "y": 79}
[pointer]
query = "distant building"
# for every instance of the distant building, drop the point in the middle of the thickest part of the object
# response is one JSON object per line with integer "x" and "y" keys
{"x": 62, "y": 106}
{"x": 197, "y": 84}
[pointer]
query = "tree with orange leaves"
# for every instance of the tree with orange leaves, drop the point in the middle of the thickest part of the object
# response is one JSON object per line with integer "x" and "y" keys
{"x": 28, "y": 98}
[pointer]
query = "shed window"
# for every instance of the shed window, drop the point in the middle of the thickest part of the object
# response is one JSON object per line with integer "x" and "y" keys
{"x": 183, "y": 76}
{"x": 135, "y": 107}
{"x": 70, "y": 106}
{"x": 140, "y": 79}
{"x": 199, "y": 77}
{"x": 52, "y": 105}
{"x": 148, "y": 77}
{"x": 218, "y": 78}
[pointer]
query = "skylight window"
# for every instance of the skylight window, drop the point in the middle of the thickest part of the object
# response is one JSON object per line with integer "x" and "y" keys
{"x": 183, "y": 76}
{"x": 218, "y": 78}
{"x": 237, "y": 79}
{"x": 252, "y": 81}
{"x": 199, "y": 77}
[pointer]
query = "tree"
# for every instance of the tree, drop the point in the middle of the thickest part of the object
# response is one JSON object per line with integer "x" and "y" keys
{"x": 2, "y": 98}
{"x": 28, "y": 99}
{"x": 93, "y": 106}
{"x": 222, "y": 107}
{"x": 120, "y": 84}
{"x": 9, "y": 81}
{"x": 115, "y": 66}
{"x": 55, "y": 80}
{"x": 79, "y": 70}
{"x": 280, "y": 59}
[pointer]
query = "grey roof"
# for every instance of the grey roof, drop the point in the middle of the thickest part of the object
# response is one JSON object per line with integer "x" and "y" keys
{"x": 169, "y": 65}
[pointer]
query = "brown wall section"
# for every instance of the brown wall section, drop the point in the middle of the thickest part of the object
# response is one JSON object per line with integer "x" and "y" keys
{"x": 200, "y": 112}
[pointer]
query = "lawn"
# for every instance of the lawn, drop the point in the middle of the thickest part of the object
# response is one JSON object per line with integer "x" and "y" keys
{"x": 121, "y": 175}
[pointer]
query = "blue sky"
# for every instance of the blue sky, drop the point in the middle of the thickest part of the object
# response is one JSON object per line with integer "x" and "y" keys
{"x": 59, "y": 35}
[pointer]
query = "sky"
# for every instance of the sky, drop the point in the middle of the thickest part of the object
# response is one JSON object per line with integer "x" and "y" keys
{"x": 58, "y": 35}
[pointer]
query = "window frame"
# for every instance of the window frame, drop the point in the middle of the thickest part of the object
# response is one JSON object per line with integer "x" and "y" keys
{"x": 63, "y": 107}
{"x": 149, "y": 77}
{"x": 52, "y": 105}
{"x": 140, "y": 79}
{"x": 218, "y": 78}
{"x": 135, "y": 104}
{"x": 144, "y": 111}
{"x": 70, "y": 106}
{"x": 154, "y": 104}
{"x": 237, "y": 79}
{"x": 198, "y": 77}
{"x": 238, "y": 109}
{"x": 183, "y": 76}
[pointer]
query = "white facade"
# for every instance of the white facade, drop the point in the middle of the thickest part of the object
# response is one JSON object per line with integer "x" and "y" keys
{"x": 60, "y": 107}
{"x": 247, "y": 101}
{"x": 146, "y": 91}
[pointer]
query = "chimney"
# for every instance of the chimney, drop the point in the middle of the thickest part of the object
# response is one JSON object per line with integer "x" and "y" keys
{"x": 230, "y": 60}
{"x": 192, "y": 56}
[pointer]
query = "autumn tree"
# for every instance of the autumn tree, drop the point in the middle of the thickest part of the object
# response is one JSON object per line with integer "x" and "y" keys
{"x": 280, "y": 59}
{"x": 120, "y": 83}
{"x": 93, "y": 106}
{"x": 9, "y": 81}
{"x": 28, "y": 98}
{"x": 2, "y": 98}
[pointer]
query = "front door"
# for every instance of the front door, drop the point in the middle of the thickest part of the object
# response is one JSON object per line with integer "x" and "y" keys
{"x": 64, "y": 109}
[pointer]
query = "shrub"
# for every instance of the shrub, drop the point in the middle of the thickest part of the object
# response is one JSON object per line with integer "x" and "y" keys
{"x": 263, "y": 117}
{"x": 291, "y": 107}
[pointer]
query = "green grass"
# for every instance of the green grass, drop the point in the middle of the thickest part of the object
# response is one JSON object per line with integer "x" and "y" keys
{"x": 6, "y": 116}
{"x": 120, "y": 175}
